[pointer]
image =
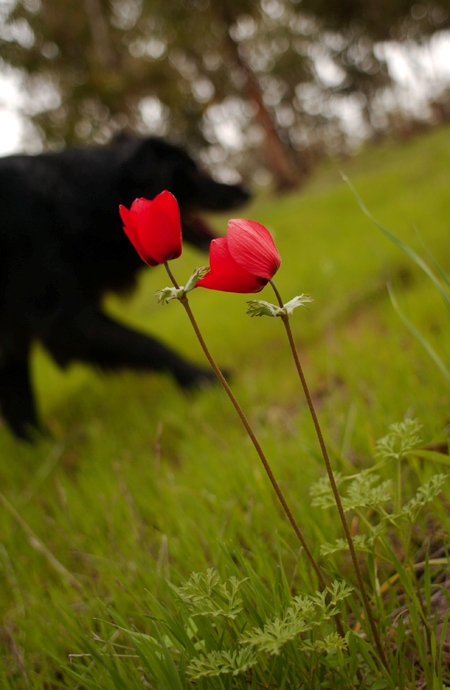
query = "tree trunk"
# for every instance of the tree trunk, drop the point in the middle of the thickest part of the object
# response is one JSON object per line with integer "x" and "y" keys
{"x": 277, "y": 157}
{"x": 284, "y": 173}
{"x": 100, "y": 34}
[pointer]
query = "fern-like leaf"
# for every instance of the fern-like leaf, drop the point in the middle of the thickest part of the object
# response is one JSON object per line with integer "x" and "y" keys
{"x": 215, "y": 663}
{"x": 205, "y": 595}
{"x": 425, "y": 494}
{"x": 401, "y": 438}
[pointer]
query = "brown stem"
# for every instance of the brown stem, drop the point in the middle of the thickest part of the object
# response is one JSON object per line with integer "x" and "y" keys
{"x": 171, "y": 276}
{"x": 184, "y": 301}
{"x": 337, "y": 498}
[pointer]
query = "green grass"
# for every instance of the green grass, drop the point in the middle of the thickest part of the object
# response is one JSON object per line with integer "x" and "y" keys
{"x": 142, "y": 482}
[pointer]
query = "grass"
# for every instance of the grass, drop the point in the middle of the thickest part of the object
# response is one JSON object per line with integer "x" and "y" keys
{"x": 142, "y": 483}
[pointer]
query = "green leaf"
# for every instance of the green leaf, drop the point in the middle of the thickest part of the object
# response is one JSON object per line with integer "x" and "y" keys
{"x": 422, "y": 340}
{"x": 365, "y": 492}
{"x": 198, "y": 274}
{"x": 425, "y": 494}
{"x": 167, "y": 294}
{"x": 279, "y": 631}
{"x": 429, "y": 455}
{"x": 258, "y": 307}
{"x": 445, "y": 294}
{"x": 298, "y": 301}
{"x": 205, "y": 595}
{"x": 401, "y": 438}
{"x": 322, "y": 493}
{"x": 215, "y": 663}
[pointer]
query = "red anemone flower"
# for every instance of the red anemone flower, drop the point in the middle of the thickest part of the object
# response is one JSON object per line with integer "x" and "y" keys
{"x": 154, "y": 228}
{"x": 242, "y": 261}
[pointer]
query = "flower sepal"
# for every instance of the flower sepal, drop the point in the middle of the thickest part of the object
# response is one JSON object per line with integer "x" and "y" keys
{"x": 167, "y": 294}
{"x": 261, "y": 308}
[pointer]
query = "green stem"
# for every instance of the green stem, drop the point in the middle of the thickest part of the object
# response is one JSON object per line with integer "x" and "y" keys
{"x": 184, "y": 301}
{"x": 337, "y": 498}
{"x": 399, "y": 484}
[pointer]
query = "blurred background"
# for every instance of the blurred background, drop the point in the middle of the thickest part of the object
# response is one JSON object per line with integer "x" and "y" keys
{"x": 259, "y": 90}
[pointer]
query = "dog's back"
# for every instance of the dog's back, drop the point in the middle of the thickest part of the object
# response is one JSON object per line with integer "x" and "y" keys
{"x": 62, "y": 246}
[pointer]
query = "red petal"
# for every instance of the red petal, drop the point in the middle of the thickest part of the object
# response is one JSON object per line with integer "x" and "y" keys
{"x": 225, "y": 274}
{"x": 166, "y": 235}
{"x": 154, "y": 228}
{"x": 252, "y": 247}
{"x": 132, "y": 233}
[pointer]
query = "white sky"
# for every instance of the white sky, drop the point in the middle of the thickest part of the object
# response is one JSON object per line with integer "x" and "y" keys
{"x": 10, "y": 122}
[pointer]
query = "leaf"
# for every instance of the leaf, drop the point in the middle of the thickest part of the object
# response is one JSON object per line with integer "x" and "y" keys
{"x": 298, "y": 301}
{"x": 422, "y": 340}
{"x": 223, "y": 662}
{"x": 279, "y": 631}
{"x": 205, "y": 595}
{"x": 404, "y": 247}
{"x": 400, "y": 439}
{"x": 425, "y": 494}
{"x": 198, "y": 274}
{"x": 429, "y": 455}
{"x": 322, "y": 493}
{"x": 361, "y": 542}
{"x": 330, "y": 644}
{"x": 258, "y": 307}
{"x": 167, "y": 294}
{"x": 364, "y": 492}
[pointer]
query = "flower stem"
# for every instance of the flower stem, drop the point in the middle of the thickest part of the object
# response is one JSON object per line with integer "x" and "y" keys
{"x": 337, "y": 498}
{"x": 171, "y": 276}
{"x": 184, "y": 301}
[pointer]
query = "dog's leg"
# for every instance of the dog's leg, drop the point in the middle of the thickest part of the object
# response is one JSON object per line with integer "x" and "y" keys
{"x": 16, "y": 395}
{"x": 91, "y": 336}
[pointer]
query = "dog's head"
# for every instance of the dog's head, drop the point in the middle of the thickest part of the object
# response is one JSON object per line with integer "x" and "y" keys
{"x": 151, "y": 165}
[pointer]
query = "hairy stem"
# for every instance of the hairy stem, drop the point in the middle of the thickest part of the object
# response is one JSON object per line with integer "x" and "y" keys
{"x": 337, "y": 498}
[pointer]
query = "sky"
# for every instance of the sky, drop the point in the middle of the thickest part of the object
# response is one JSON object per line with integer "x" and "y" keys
{"x": 10, "y": 122}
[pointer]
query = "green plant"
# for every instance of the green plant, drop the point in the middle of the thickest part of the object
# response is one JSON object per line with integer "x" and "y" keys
{"x": 141, "y": 484}
{"x": 438, "y": 277}
{"x": 211, "y": 636}
{"x": 240, "y": 632}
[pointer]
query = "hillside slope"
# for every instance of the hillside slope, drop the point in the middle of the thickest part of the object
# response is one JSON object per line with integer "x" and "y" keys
{"x": 141, "y": 481}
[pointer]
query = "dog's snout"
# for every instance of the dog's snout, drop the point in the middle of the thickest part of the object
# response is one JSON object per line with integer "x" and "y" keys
{"x": 243, "y": 195}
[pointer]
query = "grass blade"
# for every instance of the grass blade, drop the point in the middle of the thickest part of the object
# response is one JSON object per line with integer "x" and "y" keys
{"x": 401, "y": 245}
{"x": 422, "y": 340}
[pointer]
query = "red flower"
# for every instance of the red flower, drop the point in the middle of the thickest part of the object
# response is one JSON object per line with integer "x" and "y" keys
{"x": 154, "y": 228}
{"x": 242, "y": 261}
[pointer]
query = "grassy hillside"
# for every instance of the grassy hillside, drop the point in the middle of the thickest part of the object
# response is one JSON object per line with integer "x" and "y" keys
{"x": 141, "y": 482}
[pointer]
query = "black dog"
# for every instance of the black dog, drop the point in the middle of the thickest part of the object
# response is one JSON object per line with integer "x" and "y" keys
{"x": 62, "y": 246}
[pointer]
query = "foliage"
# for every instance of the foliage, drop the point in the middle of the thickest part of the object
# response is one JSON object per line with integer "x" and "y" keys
{"x": 140, "y": 484}
{"x": 259, "y": 635}
{"x": 439, "y": 278}
{"x": 93, "y": 68}
{"x": 237, "y": 633}
{"x": 382, "y": 20}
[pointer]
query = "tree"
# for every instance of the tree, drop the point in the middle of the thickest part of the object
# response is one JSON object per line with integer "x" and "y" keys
{"x": 166, "y": 65}
{"x": 381, "y": 20}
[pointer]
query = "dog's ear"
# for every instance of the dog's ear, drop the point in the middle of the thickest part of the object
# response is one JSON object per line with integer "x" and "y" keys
{"x": 121, "y": 136}
{"x": 129, "y": 147}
